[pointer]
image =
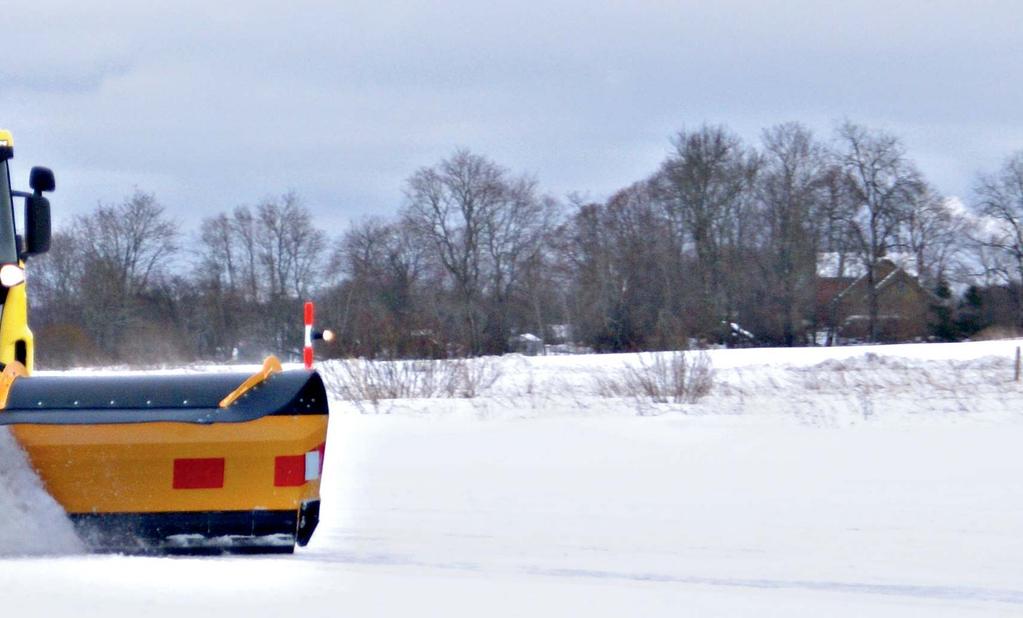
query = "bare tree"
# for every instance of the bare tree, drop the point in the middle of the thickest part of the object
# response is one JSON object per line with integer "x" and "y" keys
{"x": 628, "y": 282}
{"x": 245, "y": 230}
{"x": 219, "y": 258}
{"x": 56, "y": 276}
{"x": 704, "y": 186}
{"x": 880, "y": 185}
{"x": 935, "y": 235}
{"x": 380, "y": 308}
{"x": 513, "y": 238}
{"x": 448, "y": 206}
{"x": 792, "y": 190}
{"x": 999, "y": 197}
{"x": 585, "y": 249}
{"x": 254, "y": 269}
{"x": 57, "y": 304}
{"x": 124, "y": 251}
{"x": 290, "y": 248}
{"x": 481, "y": 224}
{"x": 134, "y": 240}
{"x": 221, "y": 280}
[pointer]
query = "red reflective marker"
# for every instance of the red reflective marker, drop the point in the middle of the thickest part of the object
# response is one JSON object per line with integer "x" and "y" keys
{"x": 289, "y": 471}
{"x": 199, "y": 473}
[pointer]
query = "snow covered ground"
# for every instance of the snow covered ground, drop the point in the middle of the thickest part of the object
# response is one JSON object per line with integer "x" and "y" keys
{"x": 878, "y": 481}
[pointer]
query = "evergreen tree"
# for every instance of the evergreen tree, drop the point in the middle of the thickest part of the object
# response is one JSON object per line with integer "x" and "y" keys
{"x": 944, "y": 327}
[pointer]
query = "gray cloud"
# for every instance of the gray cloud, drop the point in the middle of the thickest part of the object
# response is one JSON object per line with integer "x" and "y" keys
{"x": 213, "y": 106}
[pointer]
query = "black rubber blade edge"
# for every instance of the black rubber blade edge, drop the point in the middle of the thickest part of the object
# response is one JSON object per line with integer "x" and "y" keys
{"x": 194, "y": 398}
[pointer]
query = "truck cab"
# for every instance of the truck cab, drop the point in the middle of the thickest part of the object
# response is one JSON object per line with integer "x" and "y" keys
{"x": 16, "y": 342}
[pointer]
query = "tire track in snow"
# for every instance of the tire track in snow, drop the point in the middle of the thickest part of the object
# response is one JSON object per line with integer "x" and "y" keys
{"x": 945, "y": 593}
{"x": 916, "y": 591}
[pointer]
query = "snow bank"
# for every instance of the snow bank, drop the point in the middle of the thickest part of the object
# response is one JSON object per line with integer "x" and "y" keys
{"x": 819, "y": 386}
{"x": 31, "y": 522}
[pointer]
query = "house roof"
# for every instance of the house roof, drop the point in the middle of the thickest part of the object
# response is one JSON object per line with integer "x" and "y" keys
{"x": 832, "y": 289}
{"x": 834, "y": 264}
{"x": 828, "y": 288}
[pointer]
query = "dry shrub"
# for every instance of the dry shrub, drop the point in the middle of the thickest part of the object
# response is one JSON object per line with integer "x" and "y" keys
{"x": 678, "y": 378}
{"x": 996, "y": 332}
{"x": 473, "y": 376}
{"x": 361, "y": 381}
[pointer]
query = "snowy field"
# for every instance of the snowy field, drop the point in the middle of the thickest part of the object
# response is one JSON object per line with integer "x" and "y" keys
{"x": 881, "y": 481}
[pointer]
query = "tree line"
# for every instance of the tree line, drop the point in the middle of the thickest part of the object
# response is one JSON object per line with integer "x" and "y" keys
{"x": 724, "y": 237}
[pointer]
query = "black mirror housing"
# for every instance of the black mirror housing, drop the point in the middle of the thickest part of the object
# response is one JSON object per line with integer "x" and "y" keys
{"x": 37, "y": 224}
{"x": 41, "y": 180}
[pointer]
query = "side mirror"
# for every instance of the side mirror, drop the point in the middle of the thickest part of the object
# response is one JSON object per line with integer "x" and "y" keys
{"x": 37, "y": 223}
{"x": 41, "y": 180}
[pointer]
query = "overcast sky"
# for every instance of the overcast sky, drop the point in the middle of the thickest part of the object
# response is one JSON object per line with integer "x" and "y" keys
{"x": 211, "y": 106}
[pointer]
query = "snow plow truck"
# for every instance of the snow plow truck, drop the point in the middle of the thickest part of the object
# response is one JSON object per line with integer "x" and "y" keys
{"x": 199, "y": 463}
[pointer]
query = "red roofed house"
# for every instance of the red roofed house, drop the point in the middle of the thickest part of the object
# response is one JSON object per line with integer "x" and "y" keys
{"x": 906, "y": 308}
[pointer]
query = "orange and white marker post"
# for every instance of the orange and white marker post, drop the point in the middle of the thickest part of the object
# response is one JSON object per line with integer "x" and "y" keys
{"x": 307, "y": 352}
{"x": 310, "y": 335}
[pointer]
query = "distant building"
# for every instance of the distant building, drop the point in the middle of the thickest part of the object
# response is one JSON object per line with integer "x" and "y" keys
{"x": 905, "y": 307}
{"x": 559, "y": 333}
{"x": 526, "y": 343}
